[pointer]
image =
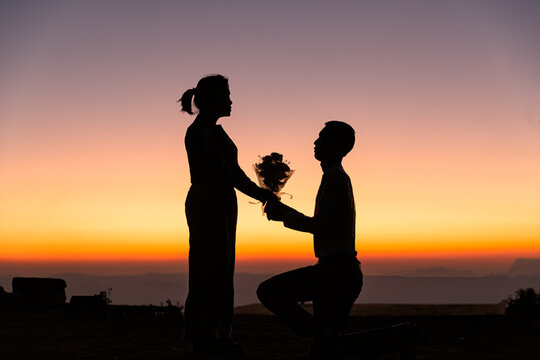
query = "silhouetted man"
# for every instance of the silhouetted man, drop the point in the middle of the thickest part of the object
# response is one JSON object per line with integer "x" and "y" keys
{"x": 335, "y": 281}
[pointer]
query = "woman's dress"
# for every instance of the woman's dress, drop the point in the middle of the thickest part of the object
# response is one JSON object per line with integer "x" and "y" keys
{"x": 211, "y": 211}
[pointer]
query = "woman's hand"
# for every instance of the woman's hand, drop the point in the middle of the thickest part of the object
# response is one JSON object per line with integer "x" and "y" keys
{"x": 267, "y": 196}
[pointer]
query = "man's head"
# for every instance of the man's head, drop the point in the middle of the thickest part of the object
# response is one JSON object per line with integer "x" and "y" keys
{"x": 335, "y": 141}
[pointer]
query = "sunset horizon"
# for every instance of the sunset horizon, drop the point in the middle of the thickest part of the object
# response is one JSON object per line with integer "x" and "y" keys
{"x": 445, "y": 169}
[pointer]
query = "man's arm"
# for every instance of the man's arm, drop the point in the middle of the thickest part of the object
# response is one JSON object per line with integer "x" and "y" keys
{"x": 276, "y": 210}
{"x": 332, "y": 204}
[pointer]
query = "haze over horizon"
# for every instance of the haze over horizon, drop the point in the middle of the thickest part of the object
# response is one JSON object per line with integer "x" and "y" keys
{"x": 444, "y": 97}
{"x": 380, "y": 267}
{"x": 436, "y": 285}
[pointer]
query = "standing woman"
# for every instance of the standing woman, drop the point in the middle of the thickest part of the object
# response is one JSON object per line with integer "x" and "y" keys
{"x": 211, "y": 211}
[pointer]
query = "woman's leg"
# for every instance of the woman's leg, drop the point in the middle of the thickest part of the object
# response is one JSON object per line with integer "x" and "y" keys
{"x": 206, "y": 252}
{"x": 212, "y": 224}
{"x": 229, "y": 257}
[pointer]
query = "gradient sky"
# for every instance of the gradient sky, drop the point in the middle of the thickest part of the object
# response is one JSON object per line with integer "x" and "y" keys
{"x": 444, "y": 97}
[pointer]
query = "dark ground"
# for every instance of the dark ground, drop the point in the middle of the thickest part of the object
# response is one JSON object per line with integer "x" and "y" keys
{"x": 86, "y": 335}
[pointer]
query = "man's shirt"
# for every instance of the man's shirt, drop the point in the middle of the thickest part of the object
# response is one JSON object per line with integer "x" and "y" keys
{"x": 333, "y": 223}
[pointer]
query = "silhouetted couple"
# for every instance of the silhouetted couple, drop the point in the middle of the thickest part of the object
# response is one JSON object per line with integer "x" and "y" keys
{"x": 333, "y": 283}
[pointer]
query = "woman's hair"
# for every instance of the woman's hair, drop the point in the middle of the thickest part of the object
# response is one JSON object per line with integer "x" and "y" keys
{"x": 208, "y": 89}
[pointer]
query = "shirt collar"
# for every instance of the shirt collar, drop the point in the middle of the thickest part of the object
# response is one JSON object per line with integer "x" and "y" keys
{"x": 335, "y": 167}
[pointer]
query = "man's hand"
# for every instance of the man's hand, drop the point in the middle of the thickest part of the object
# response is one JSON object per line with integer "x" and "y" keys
{"x": 276, "y": 210}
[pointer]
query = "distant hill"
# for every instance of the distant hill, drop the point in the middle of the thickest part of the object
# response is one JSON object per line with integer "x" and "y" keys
{"x": 442, "y": 290}
{"x": 158, "y": 288}
{"x": 524, "y": 266}
{"x": 437, "y": 271}
{"x": 147, "y": 289}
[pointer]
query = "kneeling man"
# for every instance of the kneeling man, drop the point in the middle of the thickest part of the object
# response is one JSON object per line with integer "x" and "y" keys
{"x": 335, "y": 281}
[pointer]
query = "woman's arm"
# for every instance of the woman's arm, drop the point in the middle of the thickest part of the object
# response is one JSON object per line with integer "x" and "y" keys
{"x": 243, "y": 183}
{"x": 222, "y": 151}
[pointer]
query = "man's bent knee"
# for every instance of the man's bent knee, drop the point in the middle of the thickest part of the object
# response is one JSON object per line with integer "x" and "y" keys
{"x": 265, "y": 291}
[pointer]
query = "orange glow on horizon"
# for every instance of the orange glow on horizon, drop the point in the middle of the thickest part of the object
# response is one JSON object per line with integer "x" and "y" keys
{"x": 58, "y": 248}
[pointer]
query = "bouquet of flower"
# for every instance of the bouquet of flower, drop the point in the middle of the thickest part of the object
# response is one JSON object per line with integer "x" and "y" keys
{"x": 273, "y": 173}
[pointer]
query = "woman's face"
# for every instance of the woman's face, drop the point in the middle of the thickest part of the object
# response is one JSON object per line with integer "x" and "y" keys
{"x": 223, "y": 103}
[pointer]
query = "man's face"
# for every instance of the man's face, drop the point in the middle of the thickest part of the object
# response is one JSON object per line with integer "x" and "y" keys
{"x": 323, "y": 145}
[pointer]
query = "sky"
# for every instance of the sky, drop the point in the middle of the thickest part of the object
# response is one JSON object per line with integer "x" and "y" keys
{"x": 444, "y": 97}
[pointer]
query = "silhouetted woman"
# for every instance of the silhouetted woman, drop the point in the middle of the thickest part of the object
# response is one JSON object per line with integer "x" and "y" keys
{"x": 211, "y": 212}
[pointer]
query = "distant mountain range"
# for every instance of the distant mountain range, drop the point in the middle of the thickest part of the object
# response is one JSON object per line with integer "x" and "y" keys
{"x": 437, "y": 271}
{"x": 433, "y": 286}
{"x": 524, "y": 266}
{"x": 158, "y": 288}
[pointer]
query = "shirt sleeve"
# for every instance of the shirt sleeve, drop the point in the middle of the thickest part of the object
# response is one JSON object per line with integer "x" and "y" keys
{"x": 328, "y": 209}
{"x": 297, "y": 221}
{"x": 243, "y": 183}
{"x": 238, "y": 177}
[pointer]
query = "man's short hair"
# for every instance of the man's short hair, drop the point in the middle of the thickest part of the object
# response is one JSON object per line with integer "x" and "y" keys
{"x": 343, "y": 135}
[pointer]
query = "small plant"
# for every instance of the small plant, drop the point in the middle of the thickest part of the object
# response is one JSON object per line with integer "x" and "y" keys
{"x": 169, "y": 303}
{"x": 105, "y": 296}
{"x": 524, "y": 303}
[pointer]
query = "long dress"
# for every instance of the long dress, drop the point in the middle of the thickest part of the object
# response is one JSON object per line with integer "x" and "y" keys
{"x": 211, "y": 211}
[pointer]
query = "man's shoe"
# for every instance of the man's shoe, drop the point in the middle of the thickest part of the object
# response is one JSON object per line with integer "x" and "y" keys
{"x": 325, "y": 346}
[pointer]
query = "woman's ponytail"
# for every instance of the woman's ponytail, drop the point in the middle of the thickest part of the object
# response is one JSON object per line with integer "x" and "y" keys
{"x": 186, "y": 99}
{"x": 208, "y": 89}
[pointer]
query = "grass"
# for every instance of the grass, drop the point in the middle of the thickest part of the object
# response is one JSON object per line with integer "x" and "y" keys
{"x": 124, "y": 335}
